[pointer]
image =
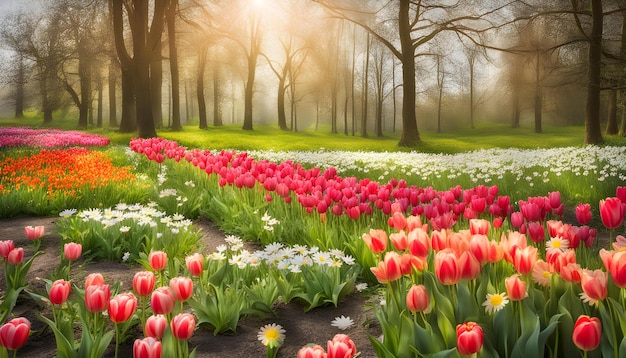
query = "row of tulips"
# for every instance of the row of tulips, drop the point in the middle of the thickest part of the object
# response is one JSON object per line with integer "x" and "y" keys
{"x": 160, "y": 305}
{"x": 48, "y": 138}
{"x": 507, "y": 293}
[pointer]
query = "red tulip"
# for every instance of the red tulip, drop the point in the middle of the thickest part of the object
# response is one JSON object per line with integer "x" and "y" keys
{"x": 183, "y": 325}
{"x": 479, "y": 246}
{"x": 94, "y": 279}
{"x": 162, "y": 300}
{"x": 517, "y": 219}
{"x": 14, "y": 333}
{"x": 155, "y": 326}
{"x": 122, "y": 307}
{"x": 447, "y": 267}
{"x": 479, "y": 226}
{"x": 59, "y": 292}
{"x": 594, "y": 285}
{"x": 417, "y": 299}
{"x": 182, "y": 288}
{"x": 615, "y": 264}
{"x": 571, "y": 272}
{"x": 469, "y": 338}
{"x": 469, "y": 266}
{"x": 524, "y": 259}
{"x": 612, "y": 212}
{"x": 344, "y": 338}
{"x": 338, "y": 349}
{"x": 34, "y": 233}
{"x": 418, "y": 242}
{"x": 583, "y": 214}
{"x": 158, "y": 260}
{"x": 399, "y": 240}
{"x": 72, "y": 250}
{"x": 376, "y": 240}
{"x": 315, "y": 351}
{"x": 143, "y": 283}
{"x": 16, "y": 256}
{"x": 389, "y": 269}
{"x": 620, "y": 193}
{"x": 97, "y": 298}
{"x": 515, "y": 288}
{"x": 194, "y": 264}
{"x": 5, "y": 247}
{"x": 148, "y": 347}
{"x": 536, "y": 231}
{"x": 587, "y": 333}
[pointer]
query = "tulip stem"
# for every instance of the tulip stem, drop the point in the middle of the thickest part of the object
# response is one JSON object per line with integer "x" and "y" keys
{"x": 117, "y": 338}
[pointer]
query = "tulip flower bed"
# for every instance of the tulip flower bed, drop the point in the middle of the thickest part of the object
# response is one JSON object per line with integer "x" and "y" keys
{"x": 48, "y": 138}
{"x": 51, "y": 180}
{"x": 452, "y": 272}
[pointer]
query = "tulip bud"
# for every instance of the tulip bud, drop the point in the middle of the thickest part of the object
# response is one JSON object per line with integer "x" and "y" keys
{"x": 155, "y": 326}
{"x": 417, "y": 299}
{"x": 587, "y": 333}
{"x": 122, "y": 307}
{"x": 148, "y": 347}
{"x": 16, "y": 256}
{"x": 183, "y": 325}
{"x": 14, "y": 333}
{"x": 158, "y": 260}
{"x": 469, "y": 338}
{"x": 143, "y": 283}
{"x": 72, "y": 250}
{"x": 59, "y": 292}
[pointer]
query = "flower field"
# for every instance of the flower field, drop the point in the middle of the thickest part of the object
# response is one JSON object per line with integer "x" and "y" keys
{"x": 498, "y": 252}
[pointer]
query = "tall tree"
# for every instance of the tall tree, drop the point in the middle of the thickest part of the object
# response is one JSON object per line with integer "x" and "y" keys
{"x": 418, "y": 23}
{"x": 144, "y": 39}
{"x": 172, "y": 10}
{"x": 593, "y": 132}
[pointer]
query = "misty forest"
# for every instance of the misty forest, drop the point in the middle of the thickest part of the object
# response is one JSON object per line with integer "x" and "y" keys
{"x": 362, "y": 68}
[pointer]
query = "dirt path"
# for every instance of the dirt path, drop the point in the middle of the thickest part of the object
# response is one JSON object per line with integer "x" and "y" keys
{"x": 301, "y": 328}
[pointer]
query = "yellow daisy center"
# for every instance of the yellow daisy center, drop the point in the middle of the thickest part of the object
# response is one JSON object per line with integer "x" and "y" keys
{"x": 496, "y": 300}
{"x": 545, "y": 274}
{"x": 556, "y": 244}
{"x": 271, "y": 334}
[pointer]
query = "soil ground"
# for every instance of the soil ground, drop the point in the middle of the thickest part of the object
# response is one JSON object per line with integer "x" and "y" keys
{"x": 301, "y": 328}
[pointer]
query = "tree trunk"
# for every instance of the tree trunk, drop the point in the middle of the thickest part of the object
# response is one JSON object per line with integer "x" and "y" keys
{"x": 365, "y": 89}
{"x": 282, "y": 117}
{"x": 84, "y": 73}
{"x": 410, "y": 135}
{"x": 217, "y": 108}
{"x": 202, "y": 115}
{"x": 611, "y": 120}
{"x": 19, "y": 90}
{"x": 112, "y": 95}
{"x": 538, "y": 95}
{"x": 100, "y": 101}
{"x": 171, "y": 32}
{"x": 156, "y": 84}
{"x": 593, "y": 133}
{"x": 255, "y": 48}
{"x": 128, "y": 124}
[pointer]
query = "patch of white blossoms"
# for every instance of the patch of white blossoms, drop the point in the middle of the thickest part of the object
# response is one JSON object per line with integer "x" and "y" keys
{"x": 486, "y": 165}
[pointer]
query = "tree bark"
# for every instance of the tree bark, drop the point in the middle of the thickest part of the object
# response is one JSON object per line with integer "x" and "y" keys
{"x": 202, "y": 115}
{"x": 19, "y": 89}
{"x": 112, "y": 94}
{"x": 217, "y": 108}
{"x": 171, "y": 32}
{"x": 611, "y": 120}
{"x": 593, "y": 133}
{"x": 410, "y": 135}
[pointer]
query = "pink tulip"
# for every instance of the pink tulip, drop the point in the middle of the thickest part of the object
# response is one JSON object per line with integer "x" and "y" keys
{"x": 162, "y": 300}
{"x": 155, "y": 326}
{"x": 583, "y": 214}
{"x": 417, "y": 299}
{"x": 72, "y": 250}
{"x": 447, "y": 267}
{"x": 587, "y": 333}
{"x": 34, "y": 233}
{"x": 157, "y": 260}
{"x": 389, "y": 269}
{"x": 148, "y": 347}
{"x": 94, "y": 279}
{"x": 14, "y": 333}
{"x": 594, "y": 285}
{"x": 143, "y": 283}
{"x": 59, "y": 292}
{"x": 612, "y": 212}
{"x": 315, "y": 351}
{"x": 5, "y": 247}
{"x": 122, "y": 307}
{"x": 183, "y": 325}
{"x": 97, "y": 298}
{"x": 15, "y": 256}
{"x": 515, "y": 288}
{"x": 182, "y": 288}
{"x": 469, "y": 338}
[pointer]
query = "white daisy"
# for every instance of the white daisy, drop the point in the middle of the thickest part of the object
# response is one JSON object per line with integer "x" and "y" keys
{"x": 67, "y": 213}
{"x": 342, "y": 322}
{"x": 124, "y": 228}
{"x": 360, "y": 287}
{"x": 495, "y": 302}
{"x": 557, "y": 244}
{"x": 271, "y": 335}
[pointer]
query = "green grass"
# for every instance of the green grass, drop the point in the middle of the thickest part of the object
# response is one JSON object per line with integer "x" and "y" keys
{"x": 269, "y": 137}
